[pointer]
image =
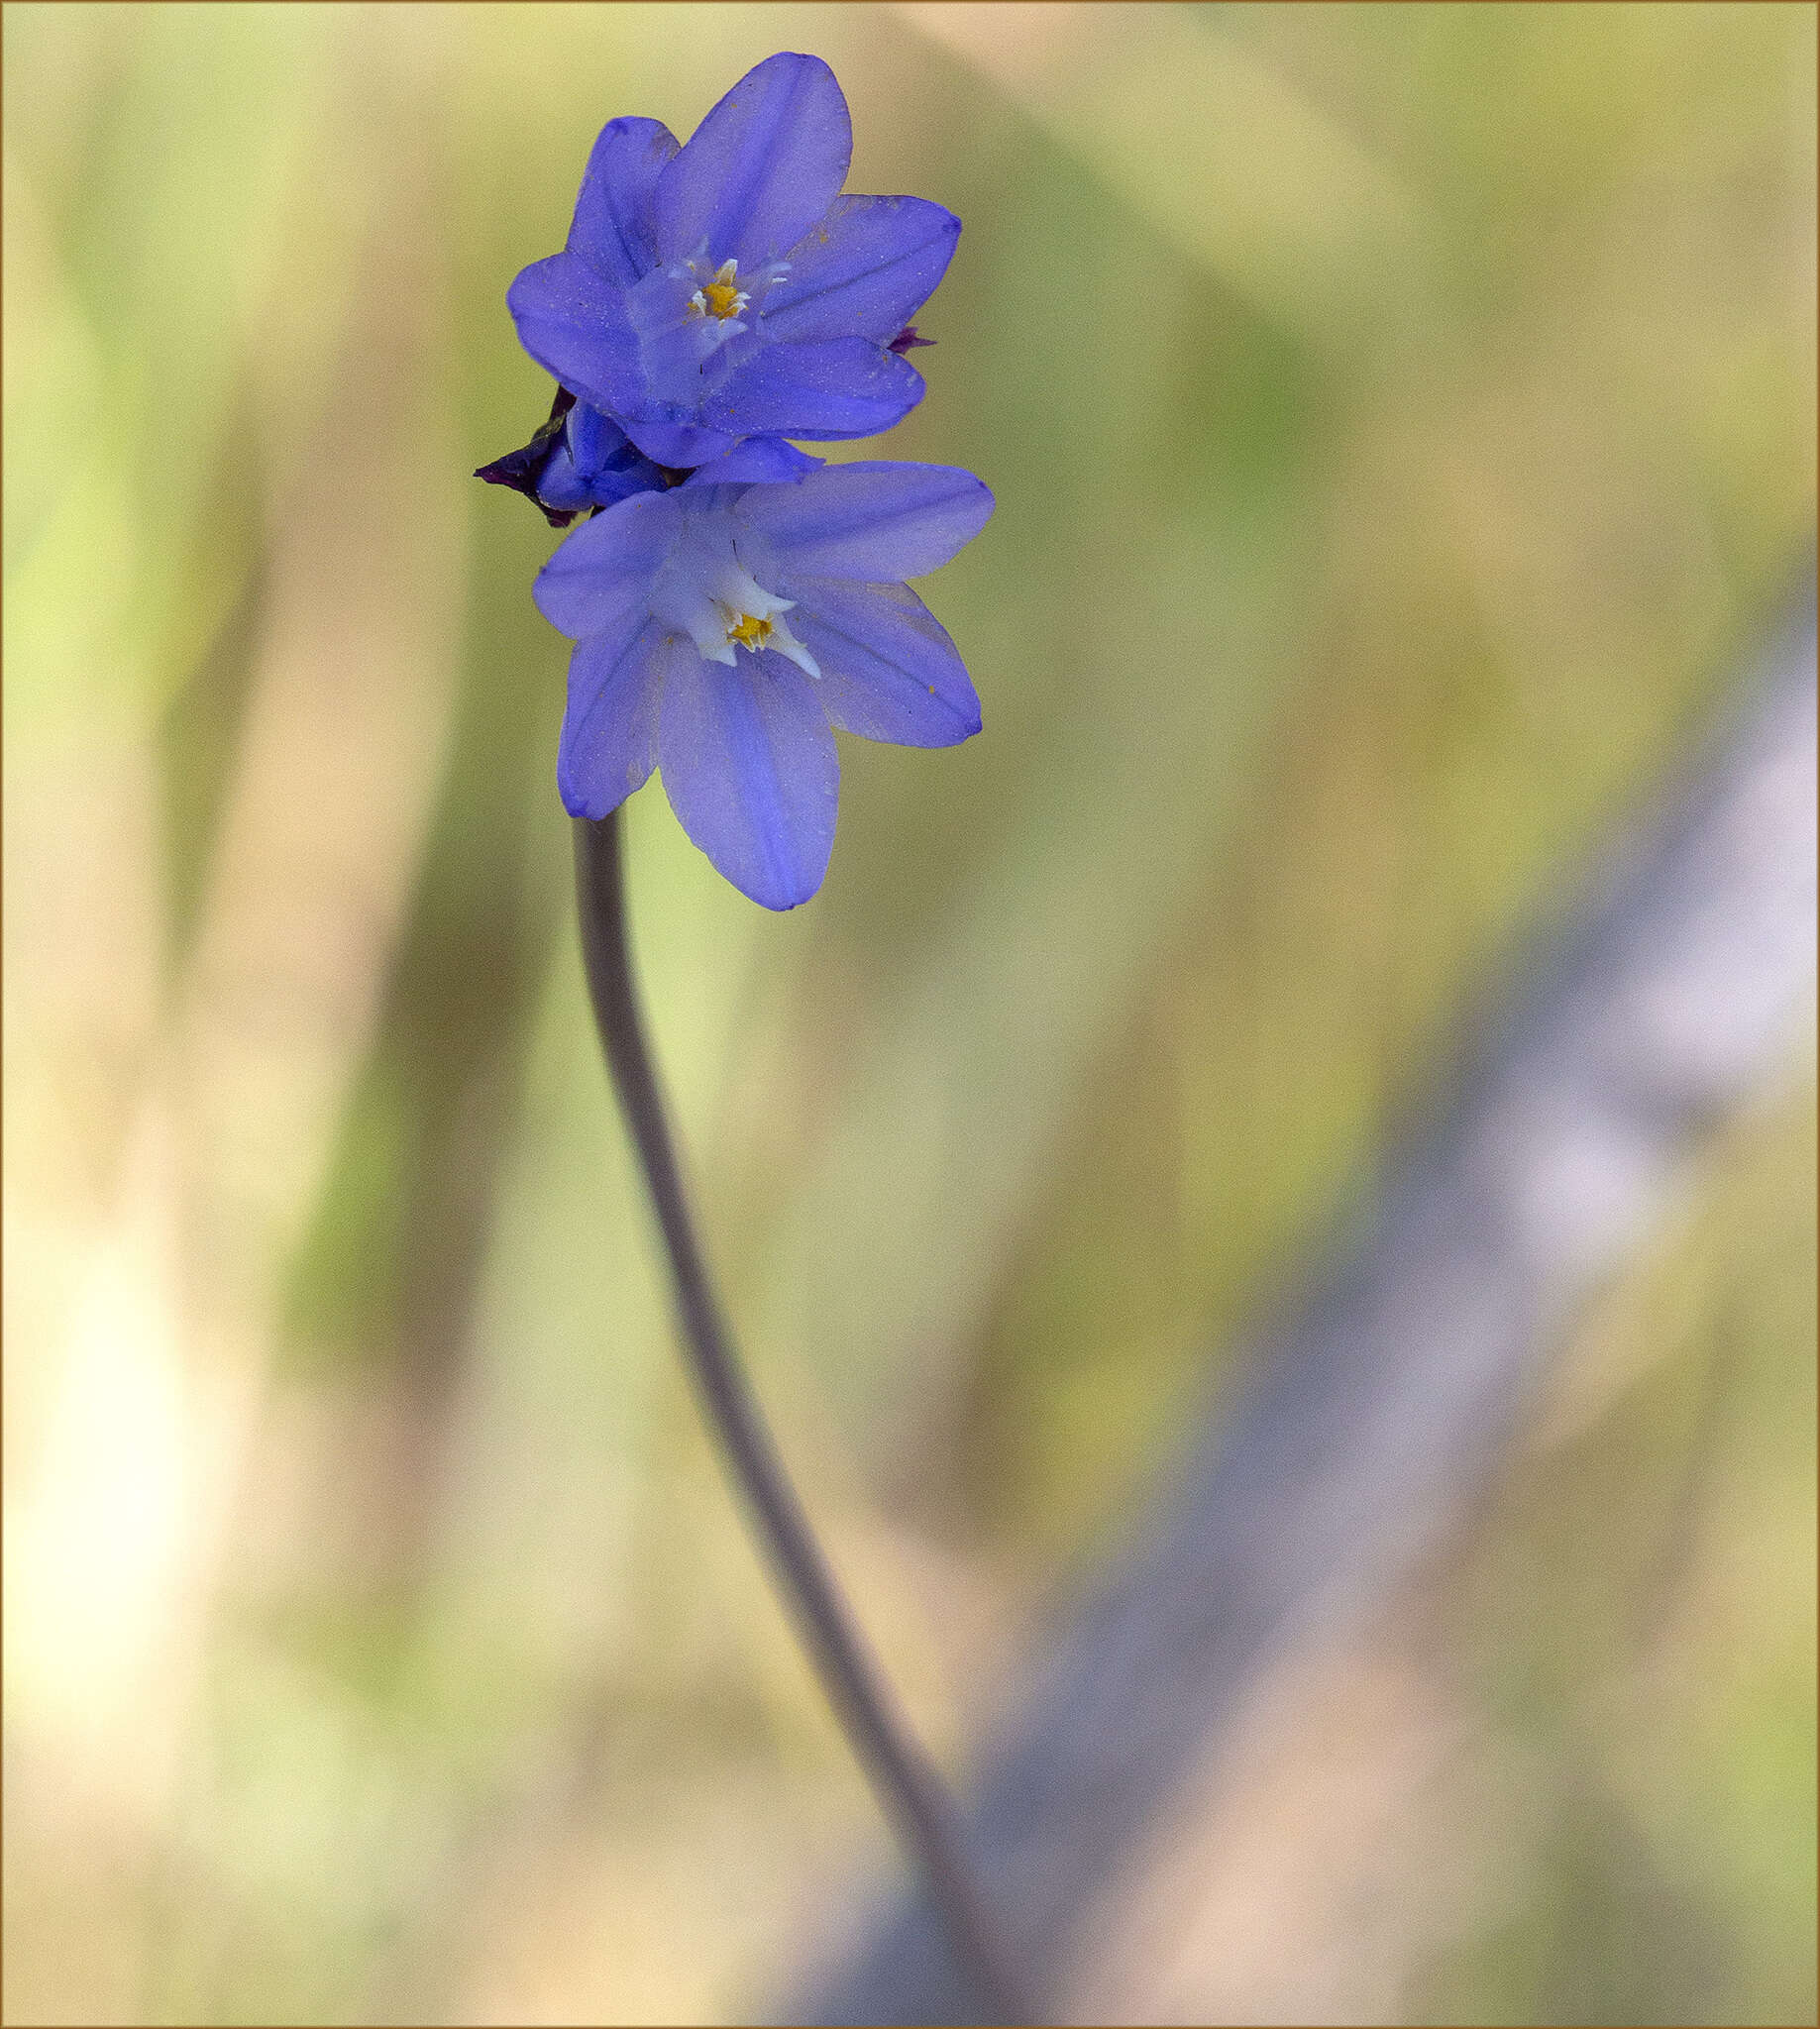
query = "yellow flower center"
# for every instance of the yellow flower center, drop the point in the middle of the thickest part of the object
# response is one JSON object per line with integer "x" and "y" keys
{"x": 741, "y": 613}
{"x": 722, "y": 297}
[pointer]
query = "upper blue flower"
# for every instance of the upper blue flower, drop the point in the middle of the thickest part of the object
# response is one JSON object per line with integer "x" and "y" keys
{"x": 725, "y": 289}
{"x": 725, "y": 624}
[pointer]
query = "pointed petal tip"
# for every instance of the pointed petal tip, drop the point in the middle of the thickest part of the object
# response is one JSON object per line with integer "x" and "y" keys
{"x": 765, "y": 163}
{"x": 576, "y": 797}
{"x": 801, "y": 62}
{"x": 779, "y": 902}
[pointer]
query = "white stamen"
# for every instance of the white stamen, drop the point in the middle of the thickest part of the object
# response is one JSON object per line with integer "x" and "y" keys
{"x": 786, "y": 643}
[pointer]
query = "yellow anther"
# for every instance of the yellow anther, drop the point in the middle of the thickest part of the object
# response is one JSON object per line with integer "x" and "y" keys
{"x": 722, "y": 297}
{"x": 749, "y": 632}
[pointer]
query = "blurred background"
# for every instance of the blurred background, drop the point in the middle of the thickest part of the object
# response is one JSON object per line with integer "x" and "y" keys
{"x": 1400, "y": 418}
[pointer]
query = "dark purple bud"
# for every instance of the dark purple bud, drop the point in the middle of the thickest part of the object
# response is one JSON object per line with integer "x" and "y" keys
{"x": 906, "y": 341}
{"x": 523, "y": 470}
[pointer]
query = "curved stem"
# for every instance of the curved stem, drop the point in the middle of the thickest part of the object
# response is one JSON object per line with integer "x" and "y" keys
{"x": 906, "y": 1787}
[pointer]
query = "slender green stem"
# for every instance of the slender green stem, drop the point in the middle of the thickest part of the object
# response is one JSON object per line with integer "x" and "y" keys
{"x": 906, "y": 1785}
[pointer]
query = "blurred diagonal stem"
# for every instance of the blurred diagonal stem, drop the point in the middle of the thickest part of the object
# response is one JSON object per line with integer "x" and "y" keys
{"x": 908, "y": 1787}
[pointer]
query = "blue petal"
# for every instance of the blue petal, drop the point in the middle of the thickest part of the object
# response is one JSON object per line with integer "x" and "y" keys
{"x": 866, "y": 269}
{"x": 889, "y": 671}
{"x": 759, "y": 458}
{"x": 751, "y": 770}
{"x": 572, "y": 321}
{"x": 591, "y": 438}
{"x": 594, "y": 464}
{"x": 602, "y": 571}
{"x": 610, "y": 730}
{"x": 761, "y": 169}
{"x": 838, "y": 387}
{"x": 875, "y": 521}
{"x": 679, "y": 444}
{"x": 612, "y": 229}
{"x": 561, "y": 487}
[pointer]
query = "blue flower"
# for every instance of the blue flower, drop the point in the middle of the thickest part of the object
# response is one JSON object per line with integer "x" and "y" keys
{"x": 723, "y": 626}
{"x": 578, "y": 459}
{"x": 595, "y": 465}
{"x": 726, "y": 289}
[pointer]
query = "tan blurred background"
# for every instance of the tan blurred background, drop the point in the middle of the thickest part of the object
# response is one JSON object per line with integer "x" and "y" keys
{"x": 1399, "y": 417}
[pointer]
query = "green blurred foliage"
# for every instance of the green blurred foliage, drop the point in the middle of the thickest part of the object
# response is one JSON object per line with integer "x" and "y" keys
{"x": 1398, "y": 416}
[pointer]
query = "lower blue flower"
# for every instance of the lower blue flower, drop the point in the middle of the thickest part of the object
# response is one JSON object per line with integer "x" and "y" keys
{"x": 725, "y": 626}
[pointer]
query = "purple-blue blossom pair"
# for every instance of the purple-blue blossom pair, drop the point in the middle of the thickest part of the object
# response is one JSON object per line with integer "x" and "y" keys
{"x": 733, "y": 597}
